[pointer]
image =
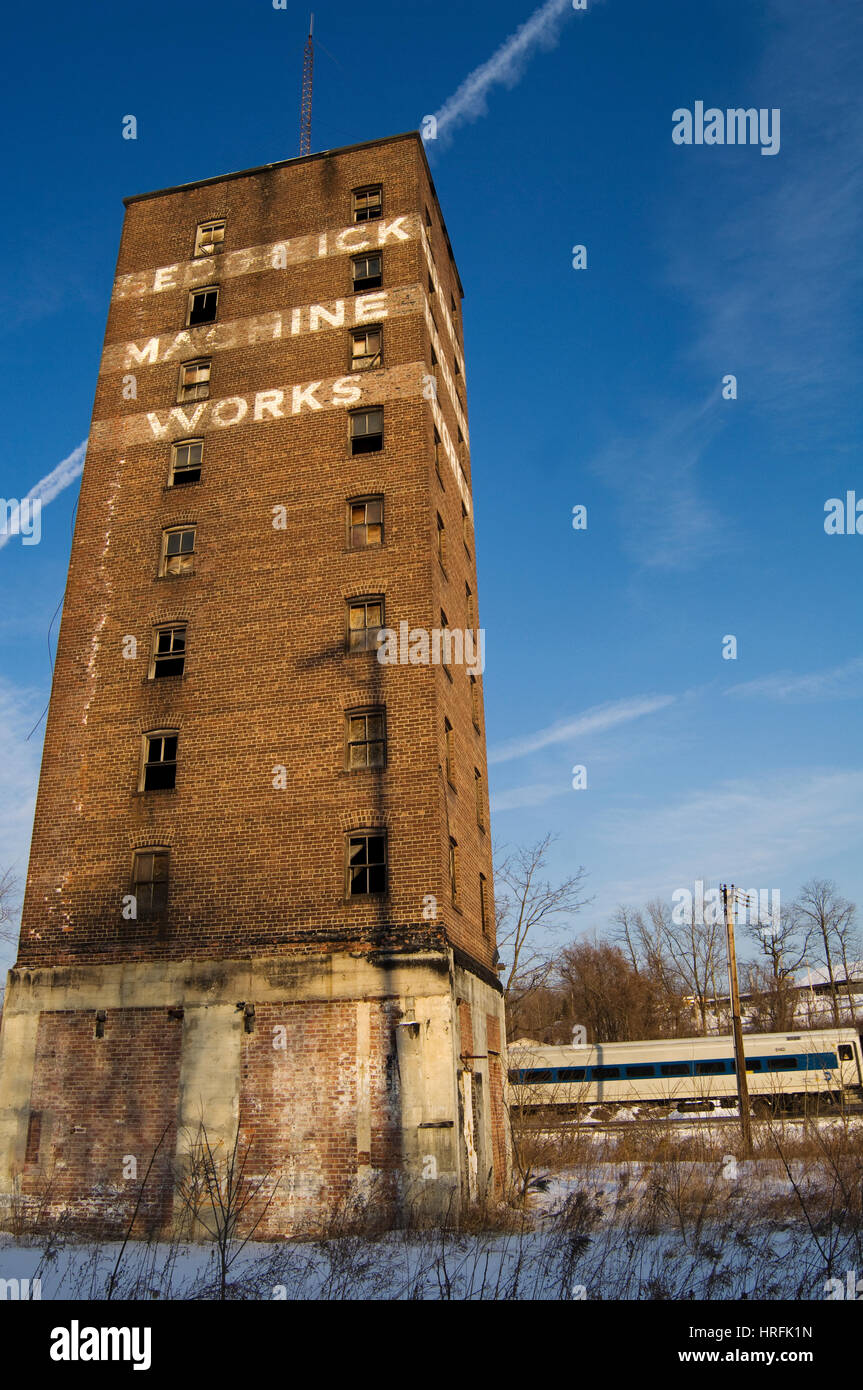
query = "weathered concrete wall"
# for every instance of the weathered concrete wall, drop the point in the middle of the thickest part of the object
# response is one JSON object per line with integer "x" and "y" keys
{"x": 341, "y": 1074}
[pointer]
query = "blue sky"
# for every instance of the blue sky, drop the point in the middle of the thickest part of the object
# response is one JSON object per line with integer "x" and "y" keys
{"x": 599, "y": 387}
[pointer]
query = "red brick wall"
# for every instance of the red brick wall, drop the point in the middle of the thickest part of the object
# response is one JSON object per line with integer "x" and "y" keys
{"x": 498, "y": 1114}
{"x": 267, "y": 679}
{"x": 100, "y": 1099}
{"x": 298, "y": 1109}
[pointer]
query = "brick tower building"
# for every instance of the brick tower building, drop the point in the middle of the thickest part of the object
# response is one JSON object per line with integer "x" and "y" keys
{"x": 260, "y": 886}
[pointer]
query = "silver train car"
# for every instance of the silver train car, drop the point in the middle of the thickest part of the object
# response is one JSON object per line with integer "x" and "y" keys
{"x": 785, "y": 1071}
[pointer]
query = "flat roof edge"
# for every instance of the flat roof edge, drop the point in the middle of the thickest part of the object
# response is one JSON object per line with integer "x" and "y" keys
{"x": 277, "y": 164}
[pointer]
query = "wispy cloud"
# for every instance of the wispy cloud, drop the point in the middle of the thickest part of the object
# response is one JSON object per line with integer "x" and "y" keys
{"x": 534, "y": 795}
{"x": 839, "y": 683}
{"x": 49, "y": 487}
{"x": 594, "y": 721}
{"x": 506, "y": 65}
{"x": 772, "y": 832}
{"x": 654, "y": 471}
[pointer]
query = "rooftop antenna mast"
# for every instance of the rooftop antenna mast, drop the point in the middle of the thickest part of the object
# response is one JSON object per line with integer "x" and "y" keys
{"x": 306, "y": 103}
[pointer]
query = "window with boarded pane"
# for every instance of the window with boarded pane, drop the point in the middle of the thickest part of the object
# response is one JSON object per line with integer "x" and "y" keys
{"x": 159, "y": 772}
{"x": 186, "y": 459}
{"x": 367, "y": 203}
{"x": 483, "y": 903}
{"x": 366, "y": 738}
{"x": 209, "y": 237}
{"x": 368, "y": 272}
{"x": 169, "y": 651}
{"x": 366, "y": 348}
{"x": 366, "y": 867}
{"x": 465, "y": 527}
{"x": 178, "y": 550}
{"x": 367, "y": 431}
{"x": 449, "y": 750}
{"x": 365, "y": 620}
{"x": 479, "y": 793}
{"x": 203, "y": 305}
{"x": 365, "y": 522}
{"x": 150, "y": 880}
{"x": 194, "y": 380}
{"x": 470, "y": 606}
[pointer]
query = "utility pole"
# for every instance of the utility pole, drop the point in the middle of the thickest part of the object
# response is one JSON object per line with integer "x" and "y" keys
{"x": 306, "y": 100}
{"x": 728, "y": 898}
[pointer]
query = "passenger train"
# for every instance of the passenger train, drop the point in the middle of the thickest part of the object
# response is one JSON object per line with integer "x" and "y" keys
{"x": 785, "y": 1071}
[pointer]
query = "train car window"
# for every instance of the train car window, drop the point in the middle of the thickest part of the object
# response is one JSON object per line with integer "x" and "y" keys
{"x": 516, "y": 1077}
{"x": 753, "y": 1064}
{"x": 539, "y": 1074}
{"x": 605, "y": 1073}
{"x": 674, "y": 1069}
{"x": 640, "y": 1072}
{"x": 711, "y": 1068}
{"x": 571, "y": 1073}
{"x": 846, "y": 1052}
{"x": 782, "y": 1063}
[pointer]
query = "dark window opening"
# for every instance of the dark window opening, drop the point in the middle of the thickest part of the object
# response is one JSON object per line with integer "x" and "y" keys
{"x": 160, "y": 762}
{"x": 367, "y": 431}
{"x": 674, "y": 1069}
{"x": 169, "y": 652}
{"x": 569, "y": 1074}
{"x": 711, "y": 1068}
{"x": 367, "y": 864}
{"x": 34, "y": 1135}
{"x": 640, "y": 1072}
{"x": 605, "y": 1073}
{"x": 203, "y": 305}
{"x": 367, "y": 272}
{"x": 186, "y": 462}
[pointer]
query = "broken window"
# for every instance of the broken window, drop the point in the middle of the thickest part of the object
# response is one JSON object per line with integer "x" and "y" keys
{"x": 194, "y": 380}
{"x": 441, "y": 541}
{"x": 367, "y": 431}
{"x": 186, "y": 462}
{"x": 365, "y": 522}
{"x": 366, "y": 738}
{"x": 203, "y": 304}
{"x": 169, "y": 651}
{"x": 366, "y": 867}
{"x": 453, "y": 868}
{"x": 449, "y": 752}
{"x": 480, "y": 798}
{"x": 160, "y": 761}
{"x": 483, "y": 904}
{"x": 366, "y": 348}
{"x": 368, "y": 203}
{"x": 367, "y": 272}
{"x": 209, "y": 237}
{"x": 365, "y": 620}
{"x": 150, "y": 880}
{"x": 178, "y": 550}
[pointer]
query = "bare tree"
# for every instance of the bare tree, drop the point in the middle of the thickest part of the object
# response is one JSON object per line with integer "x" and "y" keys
{"x": 8, "y": 905}
{"x": 784, "y": 947}
{"x": 829, "y": 919}
{"x": 528, "y": 906}
{"x": 605, "y": 993}
{"x": 695, "y": 947}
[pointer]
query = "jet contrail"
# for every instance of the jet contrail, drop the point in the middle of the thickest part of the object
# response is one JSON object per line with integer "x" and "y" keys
{"x": 46, "y": 489}
{"x": 505, "y": 65}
